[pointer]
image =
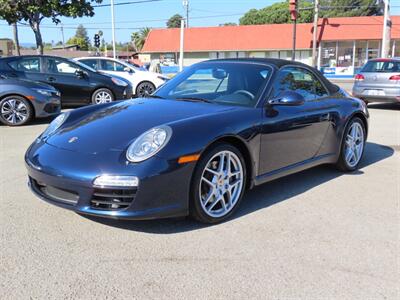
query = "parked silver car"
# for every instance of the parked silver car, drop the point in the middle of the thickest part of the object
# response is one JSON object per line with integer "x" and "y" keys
{"x": 378, "y": 81}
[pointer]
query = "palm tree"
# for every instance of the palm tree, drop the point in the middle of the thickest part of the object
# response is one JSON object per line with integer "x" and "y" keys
{"x": 139, "y": 38}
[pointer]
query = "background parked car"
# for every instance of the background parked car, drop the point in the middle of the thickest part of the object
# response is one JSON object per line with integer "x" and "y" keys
{"x": 78, "y": 83}
{"x": 143, "y": 82}
{"x": 23, "y": 100}
{"x": 378, "y": 81}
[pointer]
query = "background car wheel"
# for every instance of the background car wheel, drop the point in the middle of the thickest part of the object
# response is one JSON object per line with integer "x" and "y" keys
{"x": 218, "y": 184}
{"x": 144, "y": 89}
{"x": 353, "y": 145}
{"x": 15, "y": 111}
{"x": 102, "y": 96}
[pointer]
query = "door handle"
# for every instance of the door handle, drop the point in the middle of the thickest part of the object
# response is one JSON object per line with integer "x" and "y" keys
{"x": 51, "y": 79}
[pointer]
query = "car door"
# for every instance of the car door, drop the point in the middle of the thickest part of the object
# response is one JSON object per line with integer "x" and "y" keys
{"x": 67, "y": 77}
{"x": 28, "y": 67}
{"x": 294, "y": 134}
{"x": 115, "y": 68}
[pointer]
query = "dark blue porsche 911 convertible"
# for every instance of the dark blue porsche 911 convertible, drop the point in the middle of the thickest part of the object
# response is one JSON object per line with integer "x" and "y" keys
{"x": 195, "y": 145}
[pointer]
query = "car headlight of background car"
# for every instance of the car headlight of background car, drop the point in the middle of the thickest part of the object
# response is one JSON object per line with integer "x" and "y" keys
{"x": 44, "y": 92}
{"x": 149, "y": 143}
{"x": 54, "y": 125}
{"x": 119, "y": 81}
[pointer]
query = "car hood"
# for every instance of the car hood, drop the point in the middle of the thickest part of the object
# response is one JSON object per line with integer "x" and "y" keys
{"x": 114, "y": 127}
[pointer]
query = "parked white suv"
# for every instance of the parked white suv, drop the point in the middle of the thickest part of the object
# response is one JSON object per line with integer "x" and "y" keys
{"x": 143, "y": 82}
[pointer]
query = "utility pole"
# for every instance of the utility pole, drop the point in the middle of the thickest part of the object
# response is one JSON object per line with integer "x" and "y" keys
{"x": 315, "y": 32}
{"x": 387, "y": 24}
{"x": 293, "y": 16}
{"x": 16, "y": 40}
{"x": 181, "y": 45}
{"x": 62, "y": 35}
{"x": 186, "y": 6}
{"x": 113, "y": 28}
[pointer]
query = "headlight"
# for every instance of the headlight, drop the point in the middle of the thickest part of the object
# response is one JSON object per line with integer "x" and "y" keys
{"x": 149, "y": 143}
{"x": 54, "y": 125}
{"x": 118, "y": 81}
{"x": 44, "y": 92}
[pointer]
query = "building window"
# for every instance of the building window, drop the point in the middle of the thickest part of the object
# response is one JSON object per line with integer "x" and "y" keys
{"x": 345, "y": 54}
{"x": 328, "y": 54}
{"x": 361, "y": 54}
{"x": 373, "y": 49}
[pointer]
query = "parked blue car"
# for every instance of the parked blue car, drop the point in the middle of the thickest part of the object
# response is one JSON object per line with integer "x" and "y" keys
{"x": 194, "y": 146}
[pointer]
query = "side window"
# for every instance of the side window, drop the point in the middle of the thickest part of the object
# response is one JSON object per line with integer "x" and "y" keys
{"x": 107, "y": 65}
{"x": 299, "y": 80}
{"x": 90, "y": 62}
{"x": 27, "y": 64}
{"x": 55, "y": 65}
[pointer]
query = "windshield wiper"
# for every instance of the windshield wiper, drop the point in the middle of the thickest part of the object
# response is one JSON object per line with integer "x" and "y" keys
{"x": 194, "y": 99}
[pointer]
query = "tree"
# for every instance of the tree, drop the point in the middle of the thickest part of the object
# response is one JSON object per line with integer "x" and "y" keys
{"x": 80, "y": 38}
{"x": 277, "y": 13}
{"x": 34, "y": 12}
{"x": 174, "y": 21}
{"x": 228, "y": 24}
{"x": 351, "y": 8}
{"x": 139, "y": 38}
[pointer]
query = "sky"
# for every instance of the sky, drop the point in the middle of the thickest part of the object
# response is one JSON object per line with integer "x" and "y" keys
{"x": 130, "y": 18}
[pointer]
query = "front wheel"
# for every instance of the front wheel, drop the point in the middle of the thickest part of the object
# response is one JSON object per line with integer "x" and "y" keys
{"x": 144, "y": 89}
{"x": 218, "y": 184}
{"x": 101, "y": 96}
{"x": 15, "y": 111}
{"x": 352, "y": 145}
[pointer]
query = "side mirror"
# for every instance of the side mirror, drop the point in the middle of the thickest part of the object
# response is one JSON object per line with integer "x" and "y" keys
{"x": 79, "y": 73}
{"x": 289, "y": 98}
{"x": 129, "y": 70}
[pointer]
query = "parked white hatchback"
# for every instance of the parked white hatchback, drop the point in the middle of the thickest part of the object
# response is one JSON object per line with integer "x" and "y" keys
{"x": 143, "y": 82}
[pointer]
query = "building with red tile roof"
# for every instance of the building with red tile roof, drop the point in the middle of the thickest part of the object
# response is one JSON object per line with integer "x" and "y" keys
{"x": 342, "y": 42}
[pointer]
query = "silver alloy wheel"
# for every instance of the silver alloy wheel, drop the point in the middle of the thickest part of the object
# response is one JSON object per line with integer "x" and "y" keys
{"x": 103, "y": 97}
{"x": 354, "y": 144}
{"x": 221, "y": 184}
{"x": 14, "y": 111}
{"x": 145, "y": 89}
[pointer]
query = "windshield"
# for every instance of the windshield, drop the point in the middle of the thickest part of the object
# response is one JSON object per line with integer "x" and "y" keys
{"x": 232, "y": 83}
{"x": 383, "y": 66}
{"x": 83, "y": 66}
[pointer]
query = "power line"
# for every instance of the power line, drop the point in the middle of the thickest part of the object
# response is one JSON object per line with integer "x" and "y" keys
{"x": 126, "y": 3}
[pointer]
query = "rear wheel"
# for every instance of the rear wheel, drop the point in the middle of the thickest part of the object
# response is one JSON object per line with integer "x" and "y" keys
{"x": 352, "y": 145}
{"x": 101, "y": 96}
{"x": 144, "y": 89}
{"x": 218, "y": 184}
{"x": 15, "y": 111}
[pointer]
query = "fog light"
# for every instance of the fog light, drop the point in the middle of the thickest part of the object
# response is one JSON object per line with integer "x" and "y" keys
{"x": 116, "y": 180}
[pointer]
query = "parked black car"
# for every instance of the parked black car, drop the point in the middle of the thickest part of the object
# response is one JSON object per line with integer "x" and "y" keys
{"x": 78, "y": 83}
{"x": 23, "y": 100}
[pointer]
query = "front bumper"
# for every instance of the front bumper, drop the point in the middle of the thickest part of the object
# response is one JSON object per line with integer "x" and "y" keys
{"x": 47, "y": 106}
{"x": 124, "y": 93}
{"x": 65, "y": 178}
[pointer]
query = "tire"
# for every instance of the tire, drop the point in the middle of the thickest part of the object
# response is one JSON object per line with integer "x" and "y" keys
{"x": 102, "y": 95}
{"x": 15, "y": 111}
{"x": 353, "y": 145}
{"x": 209, "y": 196}
{"x": 144, "y": 89}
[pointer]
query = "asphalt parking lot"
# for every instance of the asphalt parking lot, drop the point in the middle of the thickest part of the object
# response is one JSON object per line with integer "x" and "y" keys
{"x": 320, "y": 234}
